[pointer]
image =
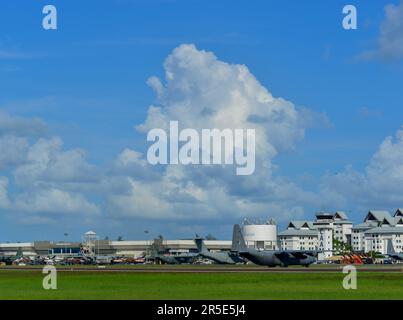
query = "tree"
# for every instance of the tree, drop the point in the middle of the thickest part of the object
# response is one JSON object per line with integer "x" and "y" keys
{"x": 210, "y": 237}
{"x": 120, "y": 238}
{"x": 376, "y": 255}
{"x": 341, "y": 247}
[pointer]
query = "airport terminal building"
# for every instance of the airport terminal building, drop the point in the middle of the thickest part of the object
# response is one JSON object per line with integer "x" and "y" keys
{"x": 376, "y": 230}
{"x": 373, "y": 234}
{"x": 104, "y": 247}
{"x": 317, "y": 235}
{"x": 322, "y": 234}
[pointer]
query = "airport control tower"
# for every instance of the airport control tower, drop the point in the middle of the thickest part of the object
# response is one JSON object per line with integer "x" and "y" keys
{"x": 88, "y": 245}
{"x": 324, "y": 223}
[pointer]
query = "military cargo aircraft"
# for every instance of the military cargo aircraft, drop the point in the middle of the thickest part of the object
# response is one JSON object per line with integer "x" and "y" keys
{"x": 270, "y": 258}
{"x": 176, "y": 259}
{"x": 223, "y": 257}
{"x": 392, "y": 253}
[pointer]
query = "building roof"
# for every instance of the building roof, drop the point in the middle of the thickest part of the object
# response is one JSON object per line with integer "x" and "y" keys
{"x": 378, "y": 218}
{"x": 388, "y": 221}
{"x": 299, "y": 233}
{"x": 365, "y": 225}
{"x": 17, "y": 245}
{"x": 340, "y": 215}
{"x": 90, "y": 233}
{"x": 398, "y": 212}
{"x": 385, "y": 230}
{"x": 343, "y": 222}
{"x": 398, "y": 220}
{"x": 324, "y": 215}
{"x": 298, "y": 224}
{"x": 119, "y": 246}
{"x": 377, "y": 215}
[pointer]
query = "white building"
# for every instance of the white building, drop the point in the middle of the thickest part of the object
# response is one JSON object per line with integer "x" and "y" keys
{"x": 342, "y": 227}
{"x": 300, "y": 235}
{"x": 377, "y": 229}
{"x": 325, "y": 225}
{"x": 317, "y": 235}
{"x": 135, "y": 248}
{"x": 260, "y": 235}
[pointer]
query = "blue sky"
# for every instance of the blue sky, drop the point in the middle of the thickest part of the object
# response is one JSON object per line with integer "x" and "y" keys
{"x": 86, "y": 83}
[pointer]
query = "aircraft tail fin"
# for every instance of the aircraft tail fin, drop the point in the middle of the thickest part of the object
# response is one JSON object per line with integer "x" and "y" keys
{"x": 238, "y": 241}
{"x": 201, "y": 247}
{"x": 390, "y": 249}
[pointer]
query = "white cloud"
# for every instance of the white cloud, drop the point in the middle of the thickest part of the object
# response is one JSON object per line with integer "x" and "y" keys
{"x": 199, "y": 91}
{"x": 380, "y": 184}
{"x": 203, "y": 92}
{"x": 385, "y": 170}
{"x": 4, "y": 200}
{"x": 54, "y": 201}
{"x": 391, "y": 36}
{"x": 48, "y": 179}
{"x": 13, "y": 151}
{"x": 389, "y": 45}
{"x": 46, "y": 162}
{"x": 130, "y": 157}
{"x": 19, "y": 126}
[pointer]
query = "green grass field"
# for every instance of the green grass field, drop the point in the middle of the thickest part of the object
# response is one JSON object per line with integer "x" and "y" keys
{"x": 125, "y": 285}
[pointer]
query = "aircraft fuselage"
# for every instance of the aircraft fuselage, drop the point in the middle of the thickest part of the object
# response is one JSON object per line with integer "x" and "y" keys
{"x": 271, "y": 259}
{"x": 222, "y": 257}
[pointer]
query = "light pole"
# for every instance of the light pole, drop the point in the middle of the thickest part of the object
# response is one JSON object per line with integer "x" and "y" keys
{"x": 65, "y": 243}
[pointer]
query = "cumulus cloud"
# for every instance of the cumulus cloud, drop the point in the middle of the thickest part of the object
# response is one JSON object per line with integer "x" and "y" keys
{"x": 4, "y": 200}
{"x": 48, "y": 179}
{"x": 385, "y": 170}
{"x": 54, "y": 201}
{"x": 13, "y": 151}
{"x": 200, "y": 91}
{"x": 203, "y": 92}
{"x": 378, "y": 186}
{"x": 391, "y": 36}
{"x": 20, "y": 126}
{"x": 47, "y": 162}
{"x": 15, "y": 135}
{"x": 390, "y": 40}
{"x": 131, "y": 163}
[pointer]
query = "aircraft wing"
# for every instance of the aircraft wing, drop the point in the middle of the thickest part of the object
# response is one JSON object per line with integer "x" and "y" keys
{"x": 282, "y": 254}
{"x": 295, "y": 253}
{"x": 312, "y": 253}
{"x": 299, "y": 254}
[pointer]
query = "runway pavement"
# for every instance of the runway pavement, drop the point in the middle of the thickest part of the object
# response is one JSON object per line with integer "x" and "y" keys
{"x": 208, "y": 269}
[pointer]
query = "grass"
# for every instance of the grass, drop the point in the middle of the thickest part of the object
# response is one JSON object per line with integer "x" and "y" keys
{"x": 125, "y": 285}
